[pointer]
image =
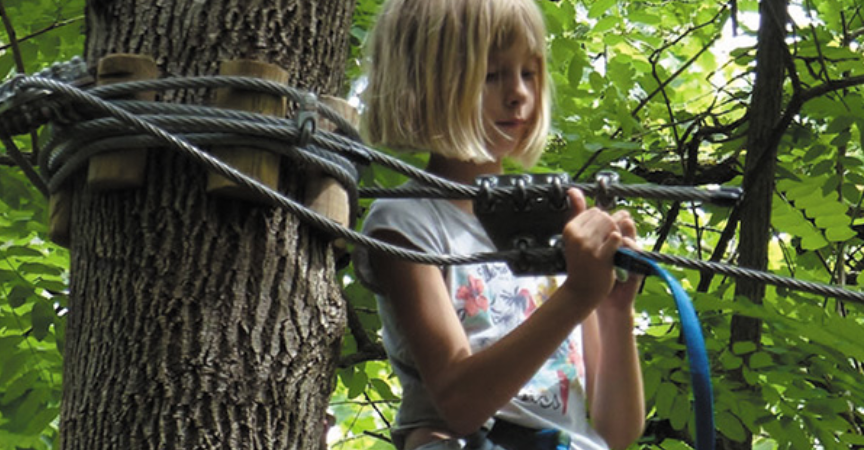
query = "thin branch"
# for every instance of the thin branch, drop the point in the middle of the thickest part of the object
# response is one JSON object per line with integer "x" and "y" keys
{"x": 799, "y": 98}
{"x": 19, "y": 61}
{"x": 377, "y": 410}
{"x": 720, "y": 248}
{"x": 38, "y": 33}
{"x": 13, "y": 39}
{"x": 367, "y": 350}
{"x": 662, "y": 86}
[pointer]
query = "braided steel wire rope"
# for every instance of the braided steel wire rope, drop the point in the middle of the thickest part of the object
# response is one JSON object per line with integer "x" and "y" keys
{"x": 83, "y": 150}
{"x": 824, "y": 290}
{"x": 158, "y": 130}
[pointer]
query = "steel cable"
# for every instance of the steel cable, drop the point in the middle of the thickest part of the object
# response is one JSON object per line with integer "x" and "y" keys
{"x": 184, "y": 127}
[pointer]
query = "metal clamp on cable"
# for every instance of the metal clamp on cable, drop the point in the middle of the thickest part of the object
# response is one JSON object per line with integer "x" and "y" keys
{"x": 607, "y": 201}
{"x": 727, "y": 196}
{"x": 604, "y": 199}
{"x": 530, "y": 215}
{"x": 307, "y": 119}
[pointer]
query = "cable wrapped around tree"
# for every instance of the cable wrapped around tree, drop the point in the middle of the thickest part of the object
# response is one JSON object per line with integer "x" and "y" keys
{"x": 90, "y": 122}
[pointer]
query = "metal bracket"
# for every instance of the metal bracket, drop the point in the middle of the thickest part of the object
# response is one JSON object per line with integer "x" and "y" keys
{"x": 531, "y": 215}
{"x": 307, "y": 119}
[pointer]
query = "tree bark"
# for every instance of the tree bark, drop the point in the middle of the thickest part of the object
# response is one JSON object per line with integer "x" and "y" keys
{"x": 197, "y": 322}
{"x": 759, "y": 167}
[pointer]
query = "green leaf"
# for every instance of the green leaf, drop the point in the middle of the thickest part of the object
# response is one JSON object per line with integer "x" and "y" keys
{"x": 742, "y": 348}
{"x": 730, "y": 361}
{"x": 17, "y": 250}
{"x": 680, "y": 412}
{"x": 759, "y": 360}
{"x": 651, "y": 382}
{"x": 852, "y": 439}
{"x": 358, "y": 384}
{"x": 39, "y": 269}
{"x": 605, "y": 24}
{"x": 730, "y": 426}
{"x": 19, "y": 295}
{"x": 599, "y": 8}
{"x": 41, "y": 420}
{"x": 839, "y": 234}
{"x": 12, "y": 365}
{"x": 18, "y": 387}
{"x": 666, "y": 394}
{"x": 42, "y": 317}
{"x": 383, "y": 389}
{"x": 574, "y": 70}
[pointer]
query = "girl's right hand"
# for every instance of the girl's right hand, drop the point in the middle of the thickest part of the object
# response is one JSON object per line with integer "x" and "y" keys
{"x": 591, "y": 239}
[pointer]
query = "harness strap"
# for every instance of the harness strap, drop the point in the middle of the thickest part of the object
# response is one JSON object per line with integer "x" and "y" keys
{"x": 697, "y": 355}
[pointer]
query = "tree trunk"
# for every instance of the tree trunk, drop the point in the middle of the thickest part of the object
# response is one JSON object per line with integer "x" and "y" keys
{"x": 760, "y": 164}
{"x": 197, "y": 322}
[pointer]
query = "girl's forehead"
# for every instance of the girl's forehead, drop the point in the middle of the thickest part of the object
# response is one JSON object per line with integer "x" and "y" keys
{"x": 518, "y": 49}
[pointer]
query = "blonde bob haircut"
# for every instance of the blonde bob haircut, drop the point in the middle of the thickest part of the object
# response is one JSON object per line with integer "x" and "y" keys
{"x": 427, "y": 69}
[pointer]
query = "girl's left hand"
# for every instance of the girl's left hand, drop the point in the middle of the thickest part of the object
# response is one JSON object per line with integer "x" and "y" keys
{"x": 624, "y": 293}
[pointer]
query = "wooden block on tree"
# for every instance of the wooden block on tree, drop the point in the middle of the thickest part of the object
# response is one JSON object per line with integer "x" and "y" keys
{"x": 122, "y": 169}
{"x": 59, "y": 217}
{"x": 258, "y": 164}
{"x": 324, "y": 194}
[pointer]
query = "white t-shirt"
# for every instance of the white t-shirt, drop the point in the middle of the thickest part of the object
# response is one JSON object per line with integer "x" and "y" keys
{"x": 489, "y": 301}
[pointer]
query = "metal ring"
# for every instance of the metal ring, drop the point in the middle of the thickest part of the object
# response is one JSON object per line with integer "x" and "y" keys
{"x": 604, "y": 199}
{"x": 307, "y": 129}
{"x": 557, "y": 195}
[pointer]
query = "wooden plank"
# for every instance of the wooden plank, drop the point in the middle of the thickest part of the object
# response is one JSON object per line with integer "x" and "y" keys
{"x": 259, "y": 164}
{"x": 122, "y": 169}
{"x": 323, "y": 193}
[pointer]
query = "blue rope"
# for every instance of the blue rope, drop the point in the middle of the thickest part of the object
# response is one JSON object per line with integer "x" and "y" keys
{"x": 700, "y": 375}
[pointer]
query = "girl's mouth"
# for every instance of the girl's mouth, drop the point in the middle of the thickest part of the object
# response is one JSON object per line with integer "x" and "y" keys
{"x": 515, "y": 123}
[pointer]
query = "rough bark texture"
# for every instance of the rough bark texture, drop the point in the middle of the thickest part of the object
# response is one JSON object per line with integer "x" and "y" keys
{"x": 197, "y": 322}
{"x": 760, "y": 164}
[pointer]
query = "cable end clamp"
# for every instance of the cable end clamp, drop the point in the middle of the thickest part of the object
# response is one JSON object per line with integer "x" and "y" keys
{"x": 307, "y": 119}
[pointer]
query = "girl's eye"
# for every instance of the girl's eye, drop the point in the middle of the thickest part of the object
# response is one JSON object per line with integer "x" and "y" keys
{"x": 491, "y": 76}
{"x": 528, "y": 74}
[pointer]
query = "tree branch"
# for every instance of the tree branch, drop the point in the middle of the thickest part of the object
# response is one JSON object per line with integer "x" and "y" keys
{"x": 13, "y": 39}
{"x": 367, "y": 350}
{"x": 799, "y": 98}
{"x": 38, "y": 33}
{"x": 19, "y": 61}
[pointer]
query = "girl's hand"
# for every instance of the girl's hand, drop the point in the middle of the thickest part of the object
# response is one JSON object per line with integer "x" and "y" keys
{"x": 624, "y": 293}
{"x": 591, "y": 239}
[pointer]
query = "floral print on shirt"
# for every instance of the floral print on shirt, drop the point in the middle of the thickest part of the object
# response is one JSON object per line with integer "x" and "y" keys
{"x": 491, "y": 302}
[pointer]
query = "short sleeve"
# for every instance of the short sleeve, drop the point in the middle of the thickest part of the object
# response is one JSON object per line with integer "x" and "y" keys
{"x": 406, "y": 217}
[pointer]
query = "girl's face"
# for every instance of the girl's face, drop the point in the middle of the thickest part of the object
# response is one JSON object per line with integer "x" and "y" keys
{"x": 510, "y": 97}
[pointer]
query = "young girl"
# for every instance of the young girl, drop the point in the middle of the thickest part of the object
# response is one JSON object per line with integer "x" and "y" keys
{"x": 466, "y": 81}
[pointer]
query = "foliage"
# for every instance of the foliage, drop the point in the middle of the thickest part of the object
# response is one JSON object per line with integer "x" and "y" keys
{"x": 658, "y": 91}
{"x": 33, "y": 271}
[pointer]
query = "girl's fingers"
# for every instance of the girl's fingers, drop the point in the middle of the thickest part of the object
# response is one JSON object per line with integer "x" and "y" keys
{"x": 594, "y": 229}
{"x": 577, "y": 201}
{"x": 625, "y": 223}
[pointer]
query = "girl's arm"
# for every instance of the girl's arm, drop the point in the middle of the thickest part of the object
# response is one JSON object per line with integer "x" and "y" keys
{"x": 614, "y": 386}
{"x": 469, "y": 388}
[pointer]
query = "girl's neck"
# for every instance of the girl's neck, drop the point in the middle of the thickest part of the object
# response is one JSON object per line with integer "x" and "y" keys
{"x": 462, "y": 172}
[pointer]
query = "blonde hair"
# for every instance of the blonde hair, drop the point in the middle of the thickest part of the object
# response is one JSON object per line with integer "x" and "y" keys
{"x": 427, "y": 70}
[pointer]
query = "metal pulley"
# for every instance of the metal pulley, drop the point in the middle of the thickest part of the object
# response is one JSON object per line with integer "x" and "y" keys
{"x": 530, "y": 215}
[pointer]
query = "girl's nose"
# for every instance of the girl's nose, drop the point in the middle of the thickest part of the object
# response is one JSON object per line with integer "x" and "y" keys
{"x": 517, "y": 91}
